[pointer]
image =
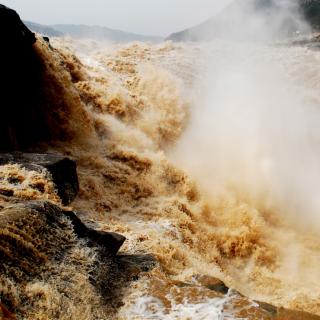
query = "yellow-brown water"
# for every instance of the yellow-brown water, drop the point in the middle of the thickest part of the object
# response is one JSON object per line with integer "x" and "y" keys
{"x": 128, "y": 109}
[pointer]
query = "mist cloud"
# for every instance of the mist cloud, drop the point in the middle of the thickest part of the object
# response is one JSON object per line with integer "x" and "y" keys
{"x": 254, "y": 131}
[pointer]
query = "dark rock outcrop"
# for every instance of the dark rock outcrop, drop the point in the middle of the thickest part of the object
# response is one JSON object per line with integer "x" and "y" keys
{"x": 212, "y": 284}
{"x": 62, "y": 170}
{"x": 39, "y": 242}
{"x": 111, "y": 241}
{"x": 38, "y": 102}
{"x": 31, "y": 233}
{"x": 19, "y": 80}
{"x": 17, "y": 35}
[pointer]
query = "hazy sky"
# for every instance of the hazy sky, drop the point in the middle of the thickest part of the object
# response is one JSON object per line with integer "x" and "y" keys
{"x": 154, "y": 17}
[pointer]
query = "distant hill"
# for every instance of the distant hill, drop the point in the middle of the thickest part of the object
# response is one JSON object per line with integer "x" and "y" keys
{"x": 102, "y": 33}
{"x": 92, "y": 32}
{"x": 245, "y": 17}
{"x": 42, "y": 29}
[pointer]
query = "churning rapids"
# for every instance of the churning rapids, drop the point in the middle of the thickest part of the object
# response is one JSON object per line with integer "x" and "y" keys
{"x": 206, "y": 156}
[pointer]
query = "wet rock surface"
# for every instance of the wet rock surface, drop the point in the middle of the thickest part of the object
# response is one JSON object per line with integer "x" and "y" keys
{"x": 31, "y": 233}
{"x": 40, "y": 252}
{"x": 213, "y": 284}
{"x": 41, "y": 222}
{"x": 110, "y": 241}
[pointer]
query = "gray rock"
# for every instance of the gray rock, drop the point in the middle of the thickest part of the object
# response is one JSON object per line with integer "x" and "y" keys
{"x": 34, "y": 232}
{"x": 110, "y": 241}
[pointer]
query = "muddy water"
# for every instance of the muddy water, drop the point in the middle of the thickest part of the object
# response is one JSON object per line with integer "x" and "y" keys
{"x": 148, "y": 169}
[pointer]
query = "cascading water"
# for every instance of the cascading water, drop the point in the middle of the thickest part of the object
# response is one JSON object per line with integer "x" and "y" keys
{"x": 208, "y": 179}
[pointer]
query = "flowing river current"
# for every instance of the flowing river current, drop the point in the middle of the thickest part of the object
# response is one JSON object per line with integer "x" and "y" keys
{"x": 207, "y": 157}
